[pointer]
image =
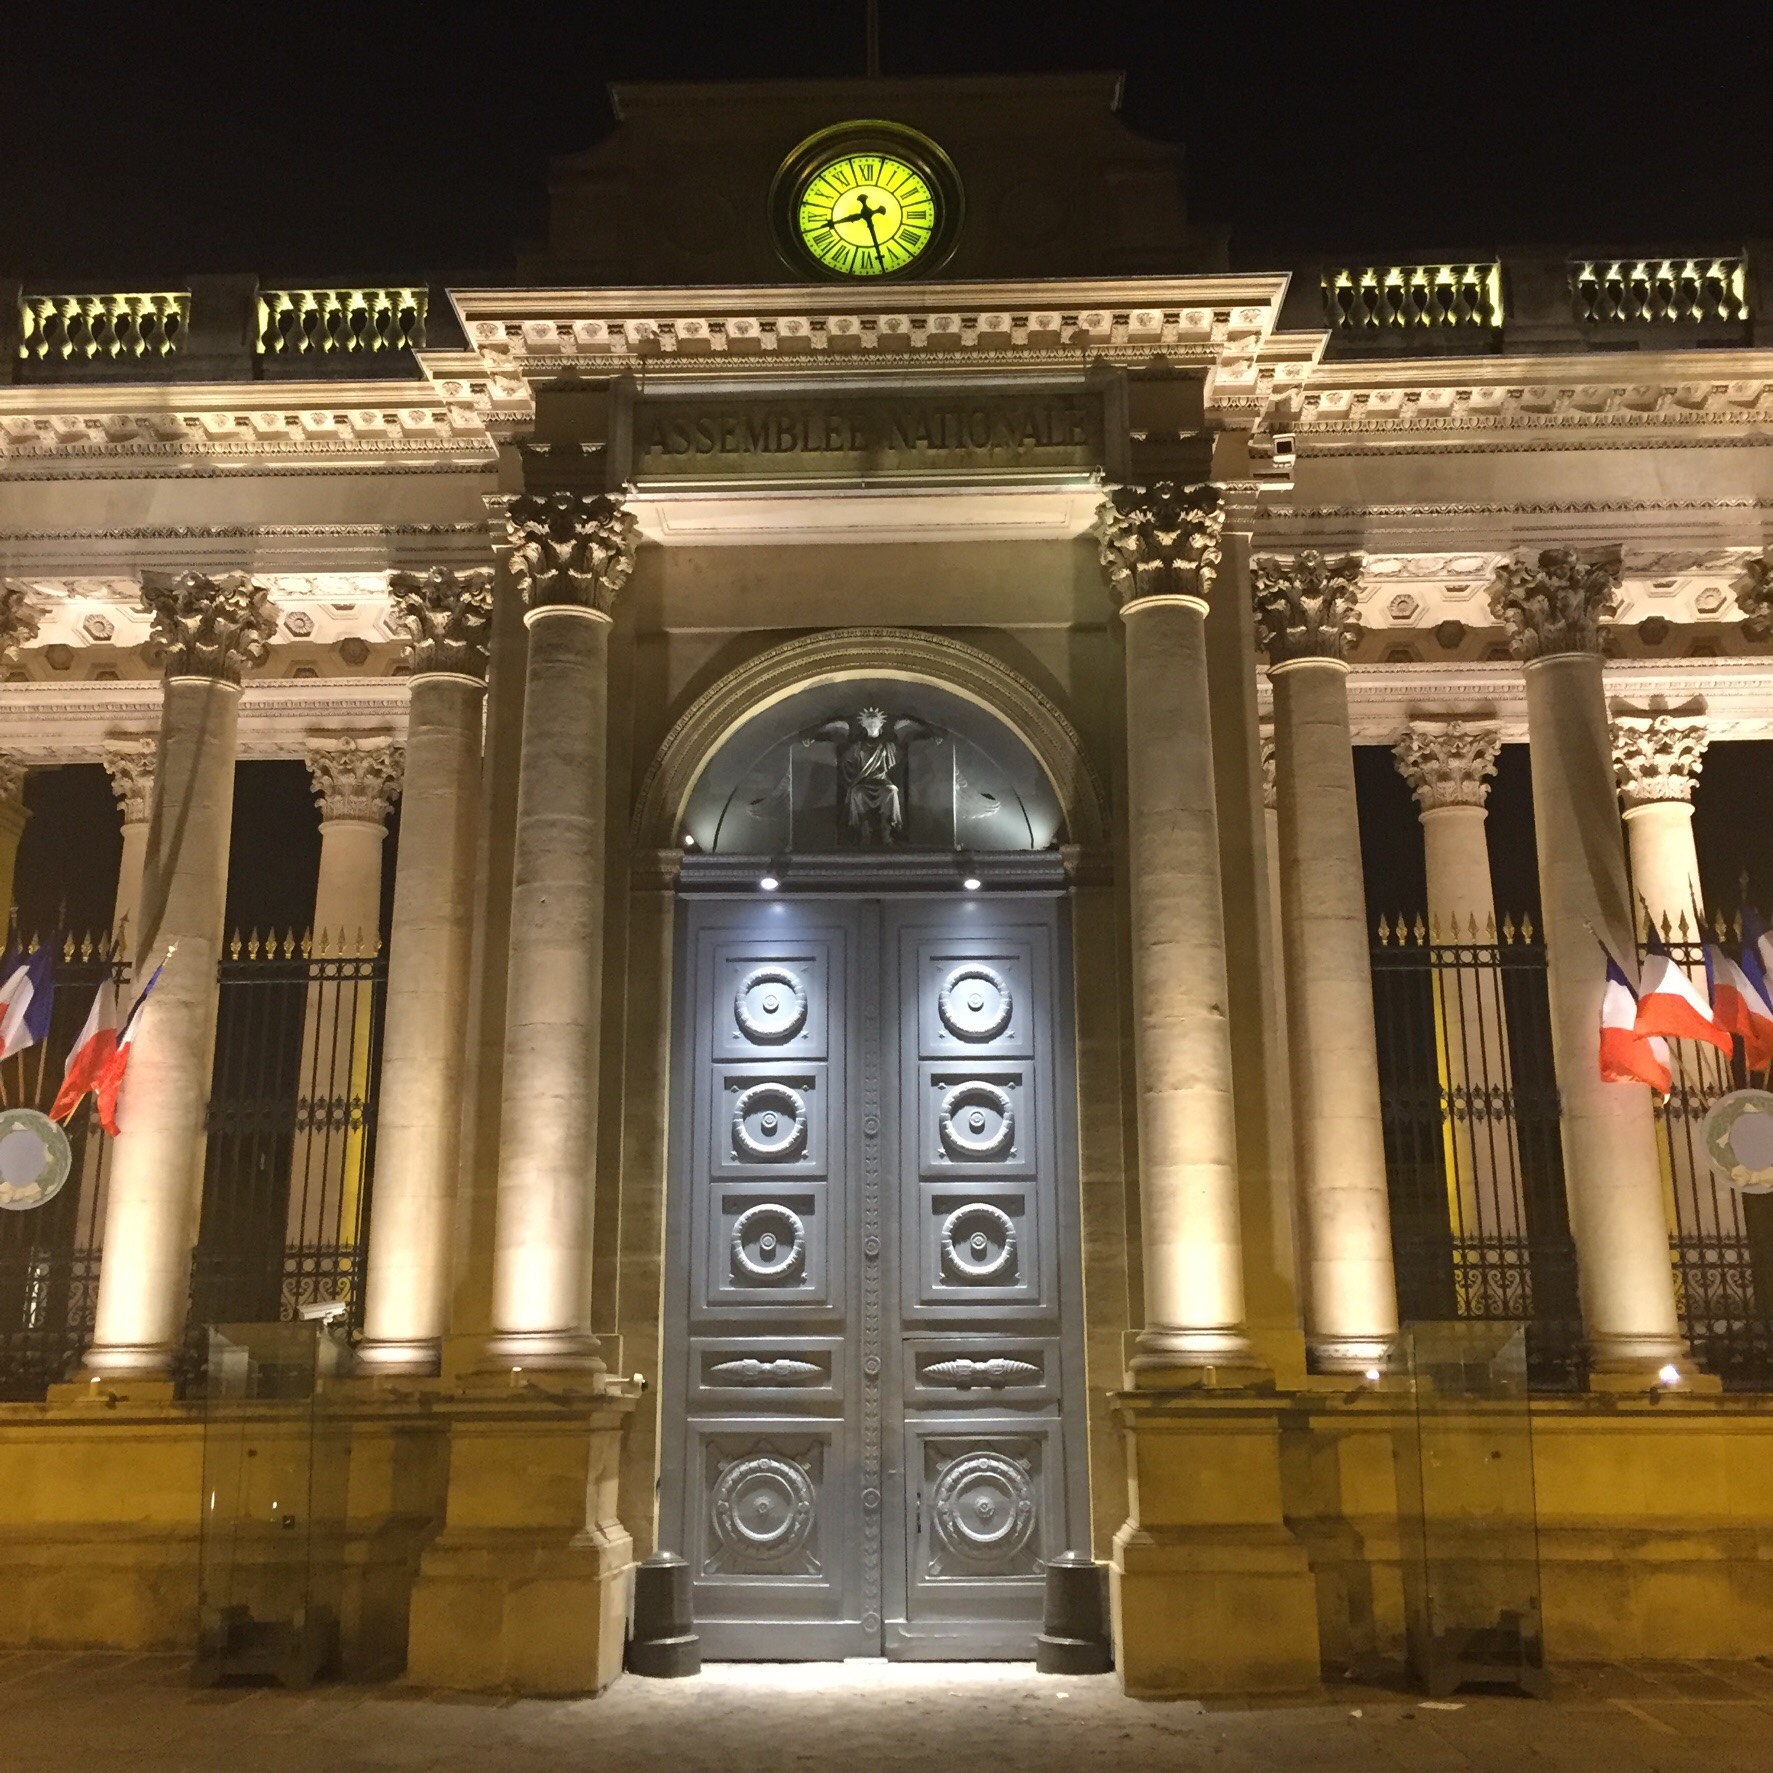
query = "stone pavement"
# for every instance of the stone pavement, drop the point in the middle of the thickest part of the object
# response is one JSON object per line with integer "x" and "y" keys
{"x": 91, "y": 1712}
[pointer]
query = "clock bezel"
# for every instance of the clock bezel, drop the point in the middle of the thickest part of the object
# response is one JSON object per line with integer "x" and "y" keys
{"x": 865, "y": 136}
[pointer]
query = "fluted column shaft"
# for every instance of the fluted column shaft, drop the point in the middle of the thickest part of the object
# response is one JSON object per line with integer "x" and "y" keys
{"x": 424, "y": 1034}
{"x": 355, "y": 784}
{"x": 212, "y": 628}
{"x": 570, "y": 556}
{"x": 1305, "y": 622}
{"x": 1554, "y": 609}
{"x": 1160, "y": 549}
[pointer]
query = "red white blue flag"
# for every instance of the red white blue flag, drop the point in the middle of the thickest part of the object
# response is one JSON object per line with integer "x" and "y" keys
{"x": 27, "y": 991}
{"x": 111, "y": 1078}
{"x": 1670, "y": 1004}
{"x": 1626, "y": 1055}
{"x": 1739, "y": 996}
{"x": 92, "y": 1051}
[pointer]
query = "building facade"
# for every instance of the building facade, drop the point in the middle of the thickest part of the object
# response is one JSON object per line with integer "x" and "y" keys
{"x": 877, "y": 1070}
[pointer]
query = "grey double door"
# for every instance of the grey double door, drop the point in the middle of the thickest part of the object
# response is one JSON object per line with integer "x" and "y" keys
{"x": 872, "y": 1427}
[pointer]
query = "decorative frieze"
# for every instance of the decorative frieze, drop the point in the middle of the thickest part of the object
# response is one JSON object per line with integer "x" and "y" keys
{"x": 1448, "y": 763}
{"x": 1656, "y": 757}
{"x": 1305, "y": 606}
{"x": 130, "y": 764}
{"x": 19, "y": 621}
{"x": 1558, "y": 602}
{"x": 1160, "y": 540}
{"x": 354, "y": 779}
{"x": 571, "y": 549}
{"x": 210, "y": 627}
{"x": 445, "y": 617}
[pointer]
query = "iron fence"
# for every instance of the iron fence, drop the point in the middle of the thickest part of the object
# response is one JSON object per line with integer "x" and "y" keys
{"x": 1480, "y": 1224}
{"x": 291, "y": 1132}
{"x": 289, "y": 1155}
{"x": 49, "y": 1253}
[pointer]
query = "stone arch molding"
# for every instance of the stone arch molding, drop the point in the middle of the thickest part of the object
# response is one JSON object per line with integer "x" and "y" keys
{"x": 839, "y": 654}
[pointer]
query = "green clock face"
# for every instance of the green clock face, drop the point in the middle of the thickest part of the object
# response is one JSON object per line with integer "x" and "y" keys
{"x": 867, "y": 215}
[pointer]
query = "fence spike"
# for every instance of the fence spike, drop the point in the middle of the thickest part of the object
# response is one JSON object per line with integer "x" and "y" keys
{"x": 1680, "y": 926}
{"x": 359, "y": 949}
{"x": 252, "y": 944}
{"x": 1490, "y": 927}
{"x": 1736, "y": 926}
{"x": 1419, "y": 931}
{"x": 234, "y": 946}
{"x": 1383, "y": 932}
{"x": 70, "y": 946}
{"x": 1526, "y": 928}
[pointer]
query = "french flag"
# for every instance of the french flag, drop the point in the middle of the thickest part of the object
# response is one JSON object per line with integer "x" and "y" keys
{"x": 27, "y": 991}
{"x": 1739, "y": 995}
{"x": 110, "y": 1080}
{"x": 92, "y": 1051}
{"x": 1670, "y": 1004}
{"x": 1626, "y": 1055}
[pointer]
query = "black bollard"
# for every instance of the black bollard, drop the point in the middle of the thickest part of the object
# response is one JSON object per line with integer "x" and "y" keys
{"x": 1074, "y": 1623}
{"x": 663, "y": 1642}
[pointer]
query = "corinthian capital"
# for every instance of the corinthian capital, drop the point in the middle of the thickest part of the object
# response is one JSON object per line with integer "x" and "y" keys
{"x": 1557, "y": 603}
{"x": 1754, "y": 597}
{"x": 446, "y": 618}
{"x": 18, "y": 621}
{"x": 1657, "y": 758}
{"x": 355, "y": 779}
{"x": 1160, "y": 540}
{"x": 210, "y": 627}
{"x": 1305, "y": 606}
{"x": 130, "y": 765}
{"x": 1447, "y": 763}
{"x": 571, "y": 548}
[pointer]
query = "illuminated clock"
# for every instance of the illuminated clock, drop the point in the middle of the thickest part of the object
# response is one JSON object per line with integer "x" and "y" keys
{"x": 866, "y": 200}
{"x": 867, "y": 215}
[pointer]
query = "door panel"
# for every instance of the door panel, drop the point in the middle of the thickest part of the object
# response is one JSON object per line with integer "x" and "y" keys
{"x": 872, "y": 1235}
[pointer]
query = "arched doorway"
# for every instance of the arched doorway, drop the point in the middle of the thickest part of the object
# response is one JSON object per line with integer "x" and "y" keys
{"x": 873, "y": 1399}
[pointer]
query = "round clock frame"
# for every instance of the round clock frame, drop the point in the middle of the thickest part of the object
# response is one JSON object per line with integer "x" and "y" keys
{"x": 830, "y": 147}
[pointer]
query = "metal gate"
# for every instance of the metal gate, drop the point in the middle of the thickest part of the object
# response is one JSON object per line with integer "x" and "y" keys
{"x": 873, "y": 1394}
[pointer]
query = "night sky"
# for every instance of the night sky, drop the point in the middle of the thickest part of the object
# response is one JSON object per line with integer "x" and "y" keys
{"x": 144, "y": 143}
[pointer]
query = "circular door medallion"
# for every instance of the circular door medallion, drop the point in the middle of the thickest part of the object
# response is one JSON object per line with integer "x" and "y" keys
{"x": 35, "y": 1159}
{"x": 770, "y": 1006}
{"x": 984, "y": 1507}
{"x": 1739, "y": 1140}
{"x": 769, "y": 1123}
{"x": 977, "y": 1122}
{"x": 975, "y": 1003}
{"x": 763, "y": 1508}
{"x": 769, "y": 1243}
{"x": 978, "y": 1242}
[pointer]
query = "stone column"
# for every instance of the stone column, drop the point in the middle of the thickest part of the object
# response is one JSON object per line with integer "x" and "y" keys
{"x": 446, "y": 616}
{"x": 19, "y": 621}
{"x": 1271, "y": 831}
{"x": 1448, "y": 765}
{"x": 1553, "y": 608}
{"x": 129, "y": 762}
{"x": 1305, "y": 622}
{"x": 570, "y": 556}
{"x": 211, "y": 629}
{"x": 1160, "y": 551}
{"x": 1656, "y": 762}
{"x": 355, "y": 785}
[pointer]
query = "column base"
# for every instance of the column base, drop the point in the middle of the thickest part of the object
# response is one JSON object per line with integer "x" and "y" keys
{"x": 1212, "y": 1594}
{"x": 544, "y": 1351}
{"x": 1360, "y": 1355}
{"x": 129, "y": 1360}
{"x": 526, "y": 1588}
{"x": 1646, "y": 1364}
{"x": 420, "y": 1359}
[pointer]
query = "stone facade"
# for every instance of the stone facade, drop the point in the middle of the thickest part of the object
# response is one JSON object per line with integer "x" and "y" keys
{"x": 1181, "y": 550}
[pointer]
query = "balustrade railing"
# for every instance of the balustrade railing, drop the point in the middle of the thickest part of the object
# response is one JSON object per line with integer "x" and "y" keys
{"x": 1372, "y": 301}
{"x": 1658, "y": 292}
{"x": 89, "y": 327}
{"x": 323, "y": 322}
